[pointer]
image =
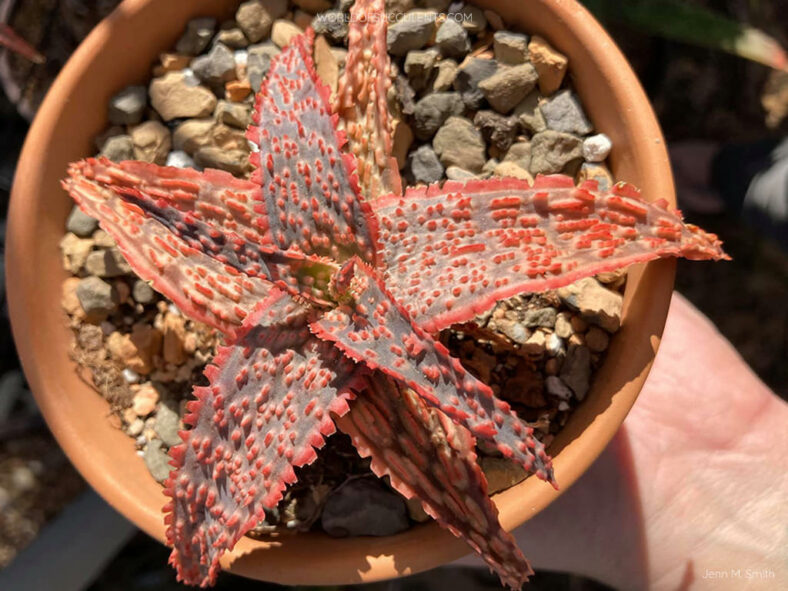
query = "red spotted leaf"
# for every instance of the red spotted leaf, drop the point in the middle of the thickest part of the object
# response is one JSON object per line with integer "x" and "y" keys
{"x": 265, "y": 411}
{"x": 451, "y": 252}
{"x": 429, "y": 457}
{"x": 305, "y": 183}
{"x": 362, "y": 100}
{"x": 374, "y": 330}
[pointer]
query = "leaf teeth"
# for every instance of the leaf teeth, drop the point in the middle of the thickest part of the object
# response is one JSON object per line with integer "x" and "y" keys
{"x": 266, "y": 408}
{"x": 305, "y": 182}
{"x": 451, "y": 252}
{"x": 426, "y": 455}
{"x": 362, "y": 100}
{"x": 376, "y": 331}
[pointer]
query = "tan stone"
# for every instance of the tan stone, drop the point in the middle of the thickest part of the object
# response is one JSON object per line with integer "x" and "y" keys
{"x": 75, "y": 251}
{"x": 152, "y": 142}
{"x": 174, "y": 97}
{"x": 513, "y": 170}
{"x": 174, "y": 336}
{"x": 174, "y": 62}
{"x": 137, "y": 350}
{"x": 303, "y": 20}
{"x": 326, "y": 64}
{"x": 501, "y": 474}
{"x": 402, "y": 140}
{"x": 550, "y": 64}
{"x": 69, "y": 299}
{"x": 283, "y": 32}
{"x": 193, "y": 134}
{"x": 145, "y": 400}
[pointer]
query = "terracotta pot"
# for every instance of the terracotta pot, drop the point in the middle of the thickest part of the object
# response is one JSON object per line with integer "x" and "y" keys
{"x": 119, "y": 52}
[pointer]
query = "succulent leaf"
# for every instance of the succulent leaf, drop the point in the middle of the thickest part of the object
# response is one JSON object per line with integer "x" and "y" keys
{"x": 305, "y": 183}
{"x": 265, "y": 411}
{"x": 451, "y": 252}
{"x": 429, "y": 457}
{"x": 362, "y": 100}
{"x": 375, "y": 330}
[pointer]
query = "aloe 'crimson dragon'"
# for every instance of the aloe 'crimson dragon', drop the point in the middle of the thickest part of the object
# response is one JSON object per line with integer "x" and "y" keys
{"x": 328, "y": 284}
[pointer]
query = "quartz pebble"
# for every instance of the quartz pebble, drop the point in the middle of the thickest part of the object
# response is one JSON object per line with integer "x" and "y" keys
{"x": 597, "y": 148}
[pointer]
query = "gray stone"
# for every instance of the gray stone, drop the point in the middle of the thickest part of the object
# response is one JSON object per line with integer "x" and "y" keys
{"x": 142, "y": 292}
{"x": 180, "y": 159}
{"x": 563, "y": 112}
{"x": 258, "y": 62}
{"x": 513, "y": 330}
{"x": 445, "y": 75}
{"x": 510, "y": 48}
{"x": 364, "y": 507}
{"x": 118, "y": 148}
{"x": 424, "y": 165}
{"x": 552, "y": 151}
{"x": 128, "y": 106}
{"x": 233, "y": 161}
{"x": 596, "y": 304}
{"x": 455, "y": 173}
{"x": 520, "y": 154}
{"x": 555, "y": 387}
{"x": 197, "y": 36}
{"x": 167, "y": 423}
{"x": 432, "y": 111}
{"x": 97, "y": 297}
{"x": 157, "y": 460}
{"x": 576, "y": 370}
{"x": 333, "y": 24}
{"x": 472, "y": 19}
{"x": 530, "y": 114}
{"x": 81, "y": 223}
{"x": 216, "y": 67}
{"x": 107, "y": 263}
{"x": 471, "y": 72}
{"x": 459, "y": 143}
{"x": 237, "y": 115}
{"x": 256, "y": 17}
{"x": 231, "y": 36}
{"x": 509, "y": 86}
{"x": 498, "y": 131}
{"x": 411, "y": 32}
{"x": 452, "y": 39}
{"x": 540, "y": 317}
{"x": 420, "y": 66}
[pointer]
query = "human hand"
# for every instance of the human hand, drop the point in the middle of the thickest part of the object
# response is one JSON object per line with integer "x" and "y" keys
{"x": 692, "y": 493}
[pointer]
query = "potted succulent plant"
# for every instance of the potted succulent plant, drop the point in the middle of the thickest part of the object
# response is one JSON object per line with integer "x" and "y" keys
{"x": 329, "y": 285}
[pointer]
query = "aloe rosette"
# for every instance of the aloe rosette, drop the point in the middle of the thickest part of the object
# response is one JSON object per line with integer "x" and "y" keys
{"x": 329, "y": 285}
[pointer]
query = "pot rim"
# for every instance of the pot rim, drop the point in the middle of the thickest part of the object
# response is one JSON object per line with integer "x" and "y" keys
{"x": 618, "y": 106}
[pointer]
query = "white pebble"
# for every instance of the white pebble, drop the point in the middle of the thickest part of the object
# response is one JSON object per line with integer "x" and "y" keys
{"x": 241, "y": 56}
{"x": 180, "y": 159}
{"x": 597, "y": 147}
{"x": 131, "y": 376}
{"x": 173, "y": 309}
{"x": 190, "y": 78}
{"x": 554, "y": 345}
{"x": 563, "y": 405}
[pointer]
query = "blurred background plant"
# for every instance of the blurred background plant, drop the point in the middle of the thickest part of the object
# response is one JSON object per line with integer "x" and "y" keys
{"x": 723, "y": 117}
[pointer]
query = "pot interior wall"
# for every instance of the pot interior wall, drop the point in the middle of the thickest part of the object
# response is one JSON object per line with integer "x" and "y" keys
{"x": 119, "y": 52}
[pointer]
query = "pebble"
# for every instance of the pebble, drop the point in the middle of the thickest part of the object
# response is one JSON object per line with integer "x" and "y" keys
{"x": 413, "y": 31}
{"x": 508, "y": 87}
{"x": 452, "y": 39}
{"x": 552, "y": 151}
{"x": 597, "y": 340}
{"x": 174, "y": 330}
{"x": 107, "y": 263}
{"x": 510, "y": 48}
{"x": 237, "y": 90}
{"x": 540, "y": 317}
{"x": 197, "y": 36}
{"x": 424, "y": 165}
{"x": 512, "y": 170}
{"x": 555, "y": 387}
{"x": 520, "y": 154}
{"x": 179, "y": 159}
{"x": 233, "y": 161}
{"x": 498, "y": 131}
{"x": 535, "y": 345}
{"x": 168, "y": 423}
{"x": 172, "y": 62}
{"x": 595, "y": 303}
{"x": 364, "y": 507}
{"x": 128, "y": 106}
{"x": 597, "y": 148}
{"x": 145, "y": 400}
{"x": 403, "y": 137}
{"x": 152, "y": 142}
{"x": 445, "y": 76}
{"x": 216, "y": 67}
{"x": 97, "y": 298}
{"x": 137, "y": 349}
{"x": 130, "y": 376}
{"x": 233, "y": 114}
{"x": 596, "y": 172}
{"x": 515, "y": 331}
{"x": 455, "y": 173}
{"x": 579, "y": 326}
{"x": 419, "y": 67}
{"x": 157, "y": 460}
{"x": 68, "y": 296}
{"x": 432, "y": 112}
{"x": 530, "y": 115}
{"x": 283, "y": 32}
{"x": 549, "y": 63}
{"x": 472, "y": 71}
{"x": 563, "y": 326}
{"x": 255, "y": 20}
{"x": 459, "y": 143}
{"x": 75, "y": 251}
{"x": 258, "y": 63}
{"x": 135, "y": 427}
{"x": 576, "y": 370}
{"x": 232, "y": 36}
{"x": 554, "y": 345}
{"x": 175, "y": 95}
{"x": 333, "y": 24}
{"x": 472, "y": 19}
{"x": 80, "y": 223}
{"x": 118, "y": 148}
{"x": 563, "y": 112}
{"x": 501, "y": 473}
